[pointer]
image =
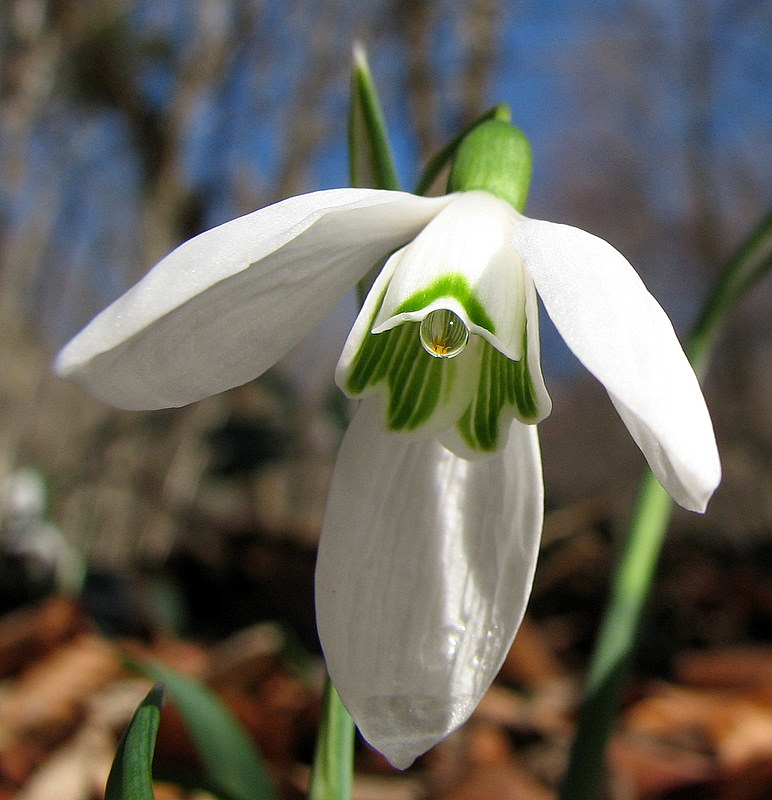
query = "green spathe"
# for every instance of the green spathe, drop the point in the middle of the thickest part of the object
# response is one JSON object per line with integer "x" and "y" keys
{"x": 494, "y": 157}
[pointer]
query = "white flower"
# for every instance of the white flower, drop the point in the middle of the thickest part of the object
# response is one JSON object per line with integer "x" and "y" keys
{"x": 432, "y": 529}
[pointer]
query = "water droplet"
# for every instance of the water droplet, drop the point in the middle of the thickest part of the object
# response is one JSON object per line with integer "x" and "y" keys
{"x": 443, "y": 334}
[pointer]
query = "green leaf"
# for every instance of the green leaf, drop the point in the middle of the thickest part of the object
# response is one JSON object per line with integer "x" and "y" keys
{"x": 232, "y": 766}
{"x": 371, "y": 163}
{"x": 131, "y": 775}
{"x": 634, "y": 573}
{"x": 749, "y": 265}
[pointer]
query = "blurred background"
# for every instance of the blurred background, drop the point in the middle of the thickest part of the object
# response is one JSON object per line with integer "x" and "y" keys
{"x": 127, "y": 126}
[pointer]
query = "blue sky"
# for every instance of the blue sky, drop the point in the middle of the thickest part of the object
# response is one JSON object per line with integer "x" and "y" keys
{"x": 600, "y": 87}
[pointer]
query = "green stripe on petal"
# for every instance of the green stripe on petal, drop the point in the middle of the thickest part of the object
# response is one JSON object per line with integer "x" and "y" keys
{"x": 431, "y": 393}
{"x": 520, "y": 389}
{"x": 371, "y": 361}
{"x": 479, "y": 391}
{"x": 524, "y": 398}
{"x": 503, "y": 385}
{"x": 418, "y": 385}
{"x": 454, "y": 285}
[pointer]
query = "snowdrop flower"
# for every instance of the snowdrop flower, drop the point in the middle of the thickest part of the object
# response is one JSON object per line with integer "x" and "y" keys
{"x": 432, "y": 529}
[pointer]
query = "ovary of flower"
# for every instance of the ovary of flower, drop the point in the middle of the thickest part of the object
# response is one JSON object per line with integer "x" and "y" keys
{"x": 432, "y": 527}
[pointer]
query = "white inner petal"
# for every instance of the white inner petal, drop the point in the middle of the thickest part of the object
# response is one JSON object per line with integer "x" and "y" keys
{"x": 463, "y": 261}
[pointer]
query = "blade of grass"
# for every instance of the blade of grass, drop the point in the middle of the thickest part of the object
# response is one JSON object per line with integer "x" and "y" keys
{"x": 743, "y": 271}
{"x": 371, "y": 163}
{"x": 131, "y": 776}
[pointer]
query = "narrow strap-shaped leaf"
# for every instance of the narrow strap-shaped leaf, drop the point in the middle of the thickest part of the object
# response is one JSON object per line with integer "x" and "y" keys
{"x": 233, "y": 768}
{"x": 634, "y": 574}
{"x": 371, "y": 164}
{"x": 445, "y": 155}
{"x": 131, "y": 775}
{"x": 748, "y": 265}
{"x": 331, "y": 776}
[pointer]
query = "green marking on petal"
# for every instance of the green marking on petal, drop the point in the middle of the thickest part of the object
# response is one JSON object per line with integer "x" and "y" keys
{"x": 525, "y": 393}
{"x": 502, "y": 382}
{"x": 455, "y": 285}
{"x": 371, "y": 361}
{"x": 417, "y": 383}
{"x": 521, "y": 388}
{"x": 429, "y": 396}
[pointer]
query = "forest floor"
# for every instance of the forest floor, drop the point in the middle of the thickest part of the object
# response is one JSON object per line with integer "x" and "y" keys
{"x": 696, "y": 722}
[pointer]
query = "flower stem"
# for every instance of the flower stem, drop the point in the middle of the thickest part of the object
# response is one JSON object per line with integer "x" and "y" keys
{"x": 608, "y": 669}
{"x": 331, "y": 774}
{"x": 635, "y": 571}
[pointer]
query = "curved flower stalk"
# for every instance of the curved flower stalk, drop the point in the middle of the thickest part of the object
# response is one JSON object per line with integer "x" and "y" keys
{"x": 432, "y": 529}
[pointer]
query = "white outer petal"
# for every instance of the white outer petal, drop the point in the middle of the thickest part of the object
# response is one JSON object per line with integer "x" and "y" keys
{"x": 226, "y": 305}
{"x": 621, "y": 334}
{"x": 423, "y": 574}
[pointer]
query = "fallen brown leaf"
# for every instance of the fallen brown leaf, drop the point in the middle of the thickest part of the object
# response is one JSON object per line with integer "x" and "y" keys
{"x": 49, "y": 697}
{"x": 30, "y": 633}
{"x": 531, "y": 662}
{"x": 675, "y": 736}
{"x": 502, "y": 782}
{"x": 749, "y": 666}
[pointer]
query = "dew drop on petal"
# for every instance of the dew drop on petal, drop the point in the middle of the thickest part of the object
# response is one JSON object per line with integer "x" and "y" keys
{"x": 443, "y": 334}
